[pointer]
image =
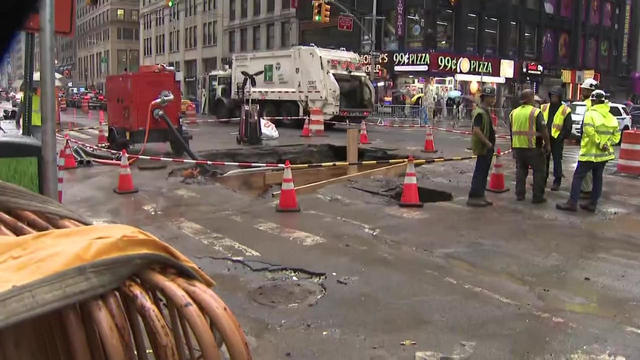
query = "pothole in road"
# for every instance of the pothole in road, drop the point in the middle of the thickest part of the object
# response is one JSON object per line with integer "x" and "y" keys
{"x": 392, "y": 188}
{"x": 287, "y": 294}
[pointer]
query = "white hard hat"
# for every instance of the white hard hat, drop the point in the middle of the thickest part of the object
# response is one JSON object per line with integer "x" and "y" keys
{"x": 598, "y": 95}
{"x": 590, "y": 84}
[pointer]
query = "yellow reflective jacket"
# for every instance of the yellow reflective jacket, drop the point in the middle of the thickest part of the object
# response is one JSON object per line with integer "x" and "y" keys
{"x": 523, "y": 127}
{"x": 600, "y": 128}
{"x": 558, "y": 118}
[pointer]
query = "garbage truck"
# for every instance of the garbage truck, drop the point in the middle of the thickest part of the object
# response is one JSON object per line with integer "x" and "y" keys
{"x": 292, "y": 82}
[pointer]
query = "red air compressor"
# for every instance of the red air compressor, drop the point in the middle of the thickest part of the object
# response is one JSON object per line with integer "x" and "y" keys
{"x": 131, "y": 101}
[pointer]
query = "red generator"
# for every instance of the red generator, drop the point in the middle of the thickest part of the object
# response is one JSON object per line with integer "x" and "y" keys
{"x": 131, "y": 112}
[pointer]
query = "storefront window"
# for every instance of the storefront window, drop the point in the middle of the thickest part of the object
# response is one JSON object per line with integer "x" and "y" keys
{"x": 472, "y": 33}
{"x": 390, "y": 40}
{"x": 607, "y": 10}
{"x": 549, "y": 46}
{"x": 514, "y": 35}
{"x": 594, "y": 12}
{"x": 563, "y": 48}
{"x": 603, "y": 57}
{"x": 444, "y": 25}
{"x": 550, "y": 6}
{"x": 530, "y": 40}
{"x": 415, "y": 28}
{"x": 567, "y": 8}
{"x": 591, "y": 52}
{"x": 491, "y": 35}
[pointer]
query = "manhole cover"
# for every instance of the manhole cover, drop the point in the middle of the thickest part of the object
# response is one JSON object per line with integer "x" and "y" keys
{"x": 287, "y": 293}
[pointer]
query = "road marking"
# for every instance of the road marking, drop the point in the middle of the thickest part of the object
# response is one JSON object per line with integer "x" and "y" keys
{"x": 406, "y": 213}
{"x": 185, "y": 193}
{"x": 218, "y": 242}
{"x": 367, "y": 228}
{"x": 300, "y": 237}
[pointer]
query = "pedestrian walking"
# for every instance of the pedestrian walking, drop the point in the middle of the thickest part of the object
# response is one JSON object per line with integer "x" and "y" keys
{"x": 558, "y": 119}
{"x": 528, "y": 132}
{"x": 600, "y": 134}
{"x": 587, "y": 87}
{"x": 483, "y": 141}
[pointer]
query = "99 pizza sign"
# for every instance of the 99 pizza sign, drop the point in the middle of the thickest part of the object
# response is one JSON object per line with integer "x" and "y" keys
{"x": 460, "y": 64}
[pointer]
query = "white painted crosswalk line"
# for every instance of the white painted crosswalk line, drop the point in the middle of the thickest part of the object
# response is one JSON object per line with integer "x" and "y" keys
{"x": 220, "y": 243}
{"x": 300, "y": 237}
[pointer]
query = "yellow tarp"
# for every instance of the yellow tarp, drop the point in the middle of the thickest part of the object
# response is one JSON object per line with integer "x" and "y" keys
{"x": 27, "y": 258}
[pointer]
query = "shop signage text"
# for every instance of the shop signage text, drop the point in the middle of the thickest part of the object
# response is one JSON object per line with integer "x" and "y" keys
{"x": 381, "y": 61}
{"x": 459, "y": 64}
{"x": 400, "y": 18}
{"x": 532, "y": 68}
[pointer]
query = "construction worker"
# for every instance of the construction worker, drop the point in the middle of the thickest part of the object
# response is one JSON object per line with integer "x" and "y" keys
{"x": 558, "y": 119}
{"x": 527, "y": 130}
{"x": 36, "y": 115}
{"x": 483, "y": 142}
{"x": 600, "y": 133}
{"x": 588, "y": 87}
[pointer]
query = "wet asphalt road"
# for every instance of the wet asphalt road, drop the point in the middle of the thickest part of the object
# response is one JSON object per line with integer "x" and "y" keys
{"x": 515, "y": 281}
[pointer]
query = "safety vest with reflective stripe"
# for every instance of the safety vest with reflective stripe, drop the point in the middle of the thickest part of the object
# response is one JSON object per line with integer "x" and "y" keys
{"x": 36, "y": 115}
{"x": 600, "y": 128}
{"x": 523, "y": 127}
{"x": 558, "y": 118}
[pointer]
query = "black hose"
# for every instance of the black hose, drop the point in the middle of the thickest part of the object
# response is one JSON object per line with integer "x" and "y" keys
{"x": 160, "y": 114}
{"x": 96, "y": 155}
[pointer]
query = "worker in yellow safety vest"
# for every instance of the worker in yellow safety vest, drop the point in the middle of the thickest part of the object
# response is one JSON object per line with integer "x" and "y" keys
{"x": 557, "y": 116}
{"x": 600, "y": 133}
{"x": 527, "y": 130}
{"x": 36, "y": 114}
{"x": 587, "y": 87}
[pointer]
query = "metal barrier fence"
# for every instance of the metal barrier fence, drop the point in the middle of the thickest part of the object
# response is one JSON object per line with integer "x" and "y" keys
{"x": 452, "y": 117}
{"x": 397, "y": 113}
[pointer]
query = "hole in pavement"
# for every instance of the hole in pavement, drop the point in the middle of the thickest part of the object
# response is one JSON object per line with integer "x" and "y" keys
{"x": 392, "y": 188}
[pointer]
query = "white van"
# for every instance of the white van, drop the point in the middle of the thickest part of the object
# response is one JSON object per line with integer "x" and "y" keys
{"x": 579, "y": 108}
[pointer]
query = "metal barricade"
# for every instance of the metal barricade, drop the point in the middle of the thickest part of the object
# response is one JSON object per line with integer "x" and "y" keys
{"x": 397, "y": 114}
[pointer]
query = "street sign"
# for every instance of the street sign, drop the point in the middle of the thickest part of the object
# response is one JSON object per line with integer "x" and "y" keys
{"x": 65, "y": 16}
{"x": 345, "y": 23}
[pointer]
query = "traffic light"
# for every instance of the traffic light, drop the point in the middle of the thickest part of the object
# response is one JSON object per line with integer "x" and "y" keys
{"x": 170, "y": 3}
{"x": 326, "y": 13}
{"x": 317, "y": 10}
{"x": 91, "y": 2}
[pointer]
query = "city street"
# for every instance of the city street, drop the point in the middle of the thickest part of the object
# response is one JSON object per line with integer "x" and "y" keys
{"x": 354, "y": 276}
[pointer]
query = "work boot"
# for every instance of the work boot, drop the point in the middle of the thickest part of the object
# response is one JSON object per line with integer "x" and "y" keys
{"x": 539, "y": 201}
{"x": 590, "y": 207}
{"x": 489, "y": 203}
{"x": 568, "y": 206}
{"x": 555, "y": 187}
{"x": 476, "y": 202}
{"x": 520, "y": 198}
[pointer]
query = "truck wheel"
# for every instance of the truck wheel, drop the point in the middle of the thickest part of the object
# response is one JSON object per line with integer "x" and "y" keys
{"x": 221, "y": 110}
{"x": 291, "y": 110}
{"x": 269, "y": 110}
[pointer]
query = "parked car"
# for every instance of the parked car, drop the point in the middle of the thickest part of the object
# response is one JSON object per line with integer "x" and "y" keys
{"x": 635, "y": 115}
{"x": 618, "y": 110}
{"x": 95, "y": 100}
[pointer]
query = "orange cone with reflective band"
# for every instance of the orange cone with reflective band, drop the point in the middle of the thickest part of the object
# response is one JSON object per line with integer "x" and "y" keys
{"x": 125, "y": 180}
{"x": 410, "y": 196}
{"x": 60, "y": 177}
{"x": 306, "y": 132}
{"x": 67, "y": 155}
{"x": 288, "y": 201}
{"x": 496, "y": 181}
{"x": 364, "y": 137}
{"x": 102, "y": 138}
{"x": 429, "y": 145}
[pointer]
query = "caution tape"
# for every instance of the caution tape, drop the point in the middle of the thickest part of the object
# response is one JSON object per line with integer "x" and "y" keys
{"x": 80, "y": 128}
{"x": 274, "y": 165}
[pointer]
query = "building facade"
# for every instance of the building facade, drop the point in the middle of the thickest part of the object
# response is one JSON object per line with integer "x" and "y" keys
{"x": 199, "y": 36}
{"x": 107, "y": 41}
{"x": 535, "y": 43}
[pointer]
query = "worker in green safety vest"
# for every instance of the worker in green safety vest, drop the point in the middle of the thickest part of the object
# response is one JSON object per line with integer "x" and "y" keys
{"x": 557, "y": 116}
{"x": 483, "y": 141}
{"x": 600, "y": 133}
{"x": 586, "y": 89}
{"x": 527, "y": 134}
{"x": 36, "y": 114}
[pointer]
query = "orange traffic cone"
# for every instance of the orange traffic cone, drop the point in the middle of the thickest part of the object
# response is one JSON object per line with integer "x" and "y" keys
{"x": 410, "y": 197}
{"x": 67, "y": 155}
{"x": 102, "y": 138}
{"x": 364, "y": 137}
{"x": 288, "y": 201}
{"x": 306, "y": 132}
{"x": 125, "y": 180}
{"x": 496, "y": 181}
{"x": 429, "y": 145}
{"x": 101, "y": 117}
